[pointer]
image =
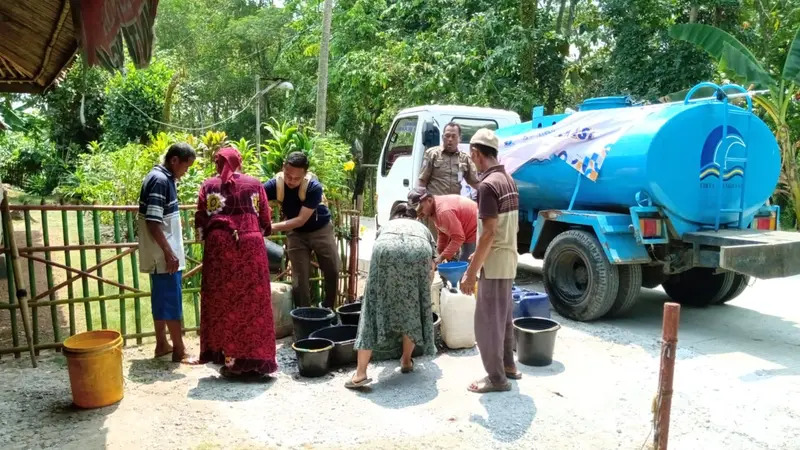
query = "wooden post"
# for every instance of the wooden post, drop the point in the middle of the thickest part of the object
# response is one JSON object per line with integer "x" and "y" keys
{"x": 355, "y": 237}
{"x": 669, "y": 337}
{"x": 22, "y": 294}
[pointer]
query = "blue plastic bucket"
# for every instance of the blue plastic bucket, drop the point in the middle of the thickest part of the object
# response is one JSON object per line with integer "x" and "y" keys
{"x": 534, "y": 304}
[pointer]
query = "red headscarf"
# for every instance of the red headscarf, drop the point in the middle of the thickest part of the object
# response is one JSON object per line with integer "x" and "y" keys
{"x": 232, "y": 161}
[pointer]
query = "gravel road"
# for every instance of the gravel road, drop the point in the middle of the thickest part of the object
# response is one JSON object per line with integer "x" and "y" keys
{"x": 737, "y": 386}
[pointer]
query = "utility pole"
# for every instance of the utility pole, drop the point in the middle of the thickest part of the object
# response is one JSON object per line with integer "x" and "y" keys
{"x": 322, "y": 78}
{"x": 258, "y": 117}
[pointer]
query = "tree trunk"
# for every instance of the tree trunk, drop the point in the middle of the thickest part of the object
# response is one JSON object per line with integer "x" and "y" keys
{"x": 573, "y": 5}
{"x": 169, "y": 96}
{"x": 322, "y": 81}
{"x": 693, "y": 13}
{"x": 527, "y": 13}
{"x": 791, "y": 171}
{"x": 560, "y": 18}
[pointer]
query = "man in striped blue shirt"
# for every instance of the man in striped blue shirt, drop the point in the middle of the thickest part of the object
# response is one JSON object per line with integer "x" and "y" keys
{"x": 161, "y": 248}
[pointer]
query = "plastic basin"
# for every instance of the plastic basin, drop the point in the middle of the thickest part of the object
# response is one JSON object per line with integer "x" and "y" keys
{"x": 313, "y": 356}
{"x": 307, "y": 320}
{"x": 343, "y": 338}
{"x": 536, "y": 340}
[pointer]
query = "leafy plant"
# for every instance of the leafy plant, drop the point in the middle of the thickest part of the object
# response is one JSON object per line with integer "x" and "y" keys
{"x": 740, "y": 64}
{"x": 285, "y": 137}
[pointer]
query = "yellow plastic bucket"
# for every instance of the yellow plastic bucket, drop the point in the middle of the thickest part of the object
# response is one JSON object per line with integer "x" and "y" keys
{"x": 94, "y": 360}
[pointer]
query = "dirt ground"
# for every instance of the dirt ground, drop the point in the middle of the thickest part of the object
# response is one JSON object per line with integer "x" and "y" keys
{"x": 737, "y": 386}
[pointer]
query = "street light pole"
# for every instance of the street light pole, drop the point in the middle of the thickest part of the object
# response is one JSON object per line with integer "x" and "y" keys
{"x": 258, "y": 117}
{"x": 280, "y": 84}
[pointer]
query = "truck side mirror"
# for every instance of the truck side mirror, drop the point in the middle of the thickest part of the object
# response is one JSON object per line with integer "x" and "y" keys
{"x": 430, "y": 135}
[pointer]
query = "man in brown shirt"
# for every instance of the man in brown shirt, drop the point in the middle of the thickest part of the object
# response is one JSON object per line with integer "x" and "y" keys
{"x": 444, "y": 167}
{"x": 495, "y": 259}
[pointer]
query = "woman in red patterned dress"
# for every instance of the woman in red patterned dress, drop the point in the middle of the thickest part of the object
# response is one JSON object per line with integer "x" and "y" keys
{"x": 233, "y": 217}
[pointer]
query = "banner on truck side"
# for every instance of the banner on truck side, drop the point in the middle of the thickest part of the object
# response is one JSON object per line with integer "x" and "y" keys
{"x": 582, "y": 139}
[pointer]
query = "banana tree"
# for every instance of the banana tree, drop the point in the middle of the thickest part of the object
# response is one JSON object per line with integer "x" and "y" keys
{"x": 739, "y": 63}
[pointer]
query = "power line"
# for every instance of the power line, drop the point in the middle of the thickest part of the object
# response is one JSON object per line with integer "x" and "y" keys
{"x": 206, "y": 127}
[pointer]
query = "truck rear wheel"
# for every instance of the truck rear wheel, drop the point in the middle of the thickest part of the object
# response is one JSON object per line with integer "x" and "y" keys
{"x": 580, "y": 281}
{"x": 653, "y": 276}
{"x": 630, "y": 284}
{"x": 740, "y": 283}
{"x": 699, "y": 286}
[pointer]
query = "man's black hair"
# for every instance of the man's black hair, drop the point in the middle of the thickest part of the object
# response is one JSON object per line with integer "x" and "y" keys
{"x": 182, "y": 150}
{"x": 486, "y": 151}
{"x": 453, "y": 124}
{"x": 402, "y": 211}
{"x": 298, "y": 160}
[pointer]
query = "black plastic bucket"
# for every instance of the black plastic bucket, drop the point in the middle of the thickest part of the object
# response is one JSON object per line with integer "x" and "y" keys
{"x": 310, "y": 319}
{"x": 536, "y": 339}
{"x": 349, "y": 314}
{"x": 344, "y": 338}
{"x": 437, "y": 326}
{"x": 275, "y": 255}
{"x": 313, "y": 356}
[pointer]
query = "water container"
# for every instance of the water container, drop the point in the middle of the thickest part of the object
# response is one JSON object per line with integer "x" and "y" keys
{"x": 534, "y": 304}
{"x": 436, "y": 290}
{"x": 458, "y": 319}
{"x": 281, "y": 309}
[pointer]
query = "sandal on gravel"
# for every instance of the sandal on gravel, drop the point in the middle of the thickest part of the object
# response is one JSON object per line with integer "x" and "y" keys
{"x": 488, "y": 386}
{"x": 407, "y": 369}
{"x": 514, "y": 375}
{"x": 186, "y": 359}
{"x": 358, "y": 384}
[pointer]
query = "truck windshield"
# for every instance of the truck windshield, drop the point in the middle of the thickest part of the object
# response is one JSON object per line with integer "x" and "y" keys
{"x": 401, "y": 142}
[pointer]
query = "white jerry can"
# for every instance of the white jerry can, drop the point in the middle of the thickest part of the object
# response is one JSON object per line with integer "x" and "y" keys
{"x": 436, "y": 293}
{"x": 458, "y": 319}
{"x": 281, "y": 309}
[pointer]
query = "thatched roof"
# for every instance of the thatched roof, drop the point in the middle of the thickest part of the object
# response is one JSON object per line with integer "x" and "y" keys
{"x": 37, "y": 41}
{"x": 40, "y": 38}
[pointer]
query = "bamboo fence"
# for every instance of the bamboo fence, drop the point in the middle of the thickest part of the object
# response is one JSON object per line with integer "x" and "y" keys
{"x": 106, "y": 235}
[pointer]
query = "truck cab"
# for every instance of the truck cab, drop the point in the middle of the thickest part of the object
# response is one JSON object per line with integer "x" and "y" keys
{"x": 413, "y": 131}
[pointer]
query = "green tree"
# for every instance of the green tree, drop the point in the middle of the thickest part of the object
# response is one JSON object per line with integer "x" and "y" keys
{"x": 739, "y": 63}
{"x": 134, "y": 102}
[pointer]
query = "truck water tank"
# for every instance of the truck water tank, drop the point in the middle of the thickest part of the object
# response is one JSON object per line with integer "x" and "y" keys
{"x": 674, "y": 154}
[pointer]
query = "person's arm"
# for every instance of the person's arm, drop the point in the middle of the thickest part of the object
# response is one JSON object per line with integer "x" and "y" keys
{"x": 471, "y": 175}
{"x": 441, "y": 242}
{"x": 427, "y": 169}
{"x": 313, "y": 199}
{"x": 264, "y": 212}
{"x": 200, "y": 215}
{"x": 455, "y": 232}
{"x": 156, "y": 196}
{"x": 158, "y": 235}
{"x": 480, "y": 255}
{"x": 488, "y": 211}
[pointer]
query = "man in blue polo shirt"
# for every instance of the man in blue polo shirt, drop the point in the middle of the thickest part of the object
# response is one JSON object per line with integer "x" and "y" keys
{"x": 161, "y": 248}
{"x": 307, "y": 223}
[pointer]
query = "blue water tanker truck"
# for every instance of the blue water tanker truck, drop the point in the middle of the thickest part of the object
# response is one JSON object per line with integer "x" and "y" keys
{"x": 617, "y": 196}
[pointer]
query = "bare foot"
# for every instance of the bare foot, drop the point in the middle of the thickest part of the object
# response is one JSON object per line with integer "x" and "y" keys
{"x": 183, "y": 358}
{"x": 163, "y": 350}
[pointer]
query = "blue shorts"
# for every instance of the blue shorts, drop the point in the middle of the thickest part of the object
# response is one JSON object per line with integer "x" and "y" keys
{"x": 166, "y": 299}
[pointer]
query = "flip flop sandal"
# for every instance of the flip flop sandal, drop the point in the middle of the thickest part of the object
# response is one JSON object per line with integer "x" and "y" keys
{"x": 188, "y": 360}
{"x": 488, "y": 386}
{"x": 357, "y": 384}
{"x": 408, "y": 369}
{"x": 514, "y": 375}
{"x": 164, "y": 353}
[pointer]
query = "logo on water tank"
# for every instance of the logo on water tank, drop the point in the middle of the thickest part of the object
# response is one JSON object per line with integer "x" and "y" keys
{"x": 717, "y": 150}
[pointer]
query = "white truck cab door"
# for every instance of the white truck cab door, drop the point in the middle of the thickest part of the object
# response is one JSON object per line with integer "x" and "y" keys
{"x": 396, "y": 174}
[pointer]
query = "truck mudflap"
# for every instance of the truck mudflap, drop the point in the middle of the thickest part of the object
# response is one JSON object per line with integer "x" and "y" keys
{"x": 760, "y": 254}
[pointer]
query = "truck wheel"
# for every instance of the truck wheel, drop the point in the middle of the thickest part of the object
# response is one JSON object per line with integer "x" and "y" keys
{"x": 738, "y": 286}
{"x": 699, "y": 286}
{"x": 653, "y": 276}
{"x": 630, "y": 283}
{"x": 580, "y": 281}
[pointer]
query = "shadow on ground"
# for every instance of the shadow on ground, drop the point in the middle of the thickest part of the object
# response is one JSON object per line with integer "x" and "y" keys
{"x": 509, "y": 415}
{"x": 395, "y": 390}
{"x": 149, "y": 371}
{"x": 219, "y": 389}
